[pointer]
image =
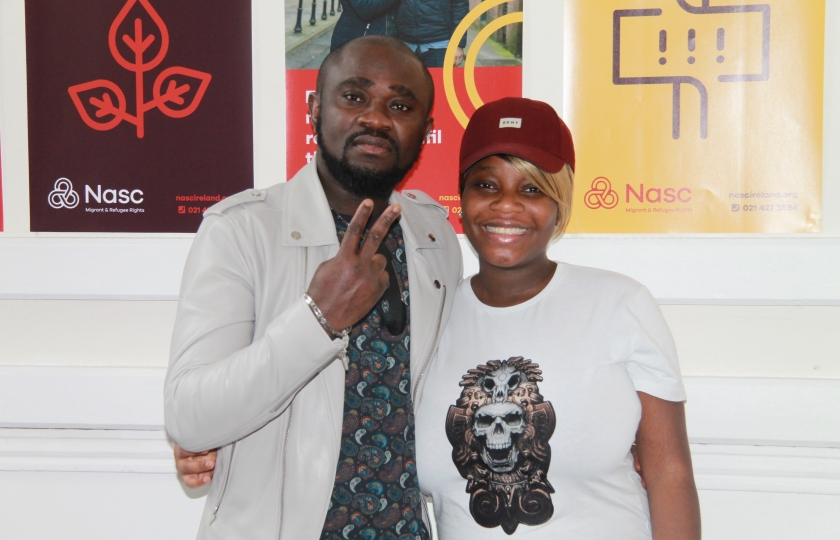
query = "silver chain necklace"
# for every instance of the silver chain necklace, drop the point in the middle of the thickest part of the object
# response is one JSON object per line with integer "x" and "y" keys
{"x": 339, "y": 216}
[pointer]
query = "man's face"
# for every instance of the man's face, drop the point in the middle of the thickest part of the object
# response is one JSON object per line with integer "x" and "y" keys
{"x": 371, "y": 118}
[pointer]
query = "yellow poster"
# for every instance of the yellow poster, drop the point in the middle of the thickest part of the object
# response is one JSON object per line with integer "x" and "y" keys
{"x": 701, "y": 117}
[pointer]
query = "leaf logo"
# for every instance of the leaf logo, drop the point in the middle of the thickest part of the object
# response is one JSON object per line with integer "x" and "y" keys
{"x": 172, "y": 86}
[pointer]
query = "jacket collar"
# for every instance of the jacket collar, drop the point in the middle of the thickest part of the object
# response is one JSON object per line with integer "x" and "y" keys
{"x": 308, "y": 221}
{"x": 416, "y": 230}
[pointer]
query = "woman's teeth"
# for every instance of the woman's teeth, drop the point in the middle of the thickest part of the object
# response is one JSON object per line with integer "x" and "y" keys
{"x": 505, "y": 230}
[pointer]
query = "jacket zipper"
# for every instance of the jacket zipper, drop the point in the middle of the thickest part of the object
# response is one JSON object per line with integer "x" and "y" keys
{"x": 434, "y": 346}
{"x": 224, "y": 484}
{"x": 425, "y": 507}
{"x": 283, "y": 470}
{"x": 291, "y": 414}
{"x": 366, "y": 29}
{"x": 426, "y": 519}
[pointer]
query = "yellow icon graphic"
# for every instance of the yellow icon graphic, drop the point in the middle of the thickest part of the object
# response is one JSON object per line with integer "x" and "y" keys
{"x": 472, "y": 55}
{"x": 706, "y": 116}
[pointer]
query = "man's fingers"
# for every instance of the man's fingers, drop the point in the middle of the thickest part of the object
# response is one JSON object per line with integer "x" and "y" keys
{"x": 384, "y": 281}
{"x": 196, "y": 480}
{"x": 195, "y": 466}
{"x": 378, "y": 261}
{"x": 379, "y": 230}
{"x": 357, "y": 226}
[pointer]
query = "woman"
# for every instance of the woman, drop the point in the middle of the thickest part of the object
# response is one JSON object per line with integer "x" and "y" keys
{"x": 547, "y": 372}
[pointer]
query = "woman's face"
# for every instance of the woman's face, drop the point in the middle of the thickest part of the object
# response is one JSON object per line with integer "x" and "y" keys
{"x": 507, "y": 219}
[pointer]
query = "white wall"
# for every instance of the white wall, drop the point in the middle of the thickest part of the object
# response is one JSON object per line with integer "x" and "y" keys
{"x": 85, "y": 324}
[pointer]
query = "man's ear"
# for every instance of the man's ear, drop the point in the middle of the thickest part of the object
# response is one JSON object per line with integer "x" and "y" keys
{"x": 314, "y": 104}
{"x": 430, "y": 123}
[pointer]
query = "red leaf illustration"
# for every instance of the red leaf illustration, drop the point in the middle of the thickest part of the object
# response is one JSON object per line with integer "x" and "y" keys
{"x": 104, "y": 104}
{"x": 138, "y": 42}
{"x": 174, "y": 92}
{"x": 177, "y": 91}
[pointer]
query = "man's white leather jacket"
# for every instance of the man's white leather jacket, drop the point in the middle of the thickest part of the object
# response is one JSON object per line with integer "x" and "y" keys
{"x": 252, "y": 371}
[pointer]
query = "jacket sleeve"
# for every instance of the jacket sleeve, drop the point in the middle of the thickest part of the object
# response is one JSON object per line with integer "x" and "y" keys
{"x": 223, "y": 385}
{"x": 460, "y": 8}
{"x": 370, "y": 10}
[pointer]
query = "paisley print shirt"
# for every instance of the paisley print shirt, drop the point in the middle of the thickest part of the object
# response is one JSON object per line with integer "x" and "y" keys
{"x": 376, "y": 495}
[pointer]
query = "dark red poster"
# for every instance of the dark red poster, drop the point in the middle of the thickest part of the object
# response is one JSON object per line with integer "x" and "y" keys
{"x": 140, "y": 112}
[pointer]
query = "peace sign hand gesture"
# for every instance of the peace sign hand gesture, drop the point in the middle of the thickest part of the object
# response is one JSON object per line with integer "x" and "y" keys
{"x": 347, "y": 286}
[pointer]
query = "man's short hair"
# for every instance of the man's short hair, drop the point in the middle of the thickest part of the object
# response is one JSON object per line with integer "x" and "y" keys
{"x": 390, "y": 42}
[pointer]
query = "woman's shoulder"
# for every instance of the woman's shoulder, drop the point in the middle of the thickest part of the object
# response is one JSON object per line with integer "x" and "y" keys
{"x": 598, "y": 281}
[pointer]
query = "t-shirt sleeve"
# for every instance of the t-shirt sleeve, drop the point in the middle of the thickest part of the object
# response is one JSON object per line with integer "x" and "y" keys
{"x": 653, "y": 365}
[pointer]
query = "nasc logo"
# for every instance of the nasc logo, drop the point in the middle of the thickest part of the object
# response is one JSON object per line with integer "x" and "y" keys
{"x": 64, "y": 196}
{"x": 602, "y": 196}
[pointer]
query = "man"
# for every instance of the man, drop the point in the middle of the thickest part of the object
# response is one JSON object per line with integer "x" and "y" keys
{"x": 301, "y": 359}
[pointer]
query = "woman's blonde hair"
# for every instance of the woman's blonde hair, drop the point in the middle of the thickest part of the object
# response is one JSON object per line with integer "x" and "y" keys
{"x": 557, "y": 186}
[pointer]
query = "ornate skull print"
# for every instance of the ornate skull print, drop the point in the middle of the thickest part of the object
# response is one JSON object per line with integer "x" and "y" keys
{"x": 499, "y": 429}
{"x": 500, "y": 382}
{"x": 496, "y": 426}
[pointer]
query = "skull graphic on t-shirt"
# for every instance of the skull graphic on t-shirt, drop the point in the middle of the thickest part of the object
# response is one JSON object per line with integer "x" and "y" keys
{"x": 499, "y": 430}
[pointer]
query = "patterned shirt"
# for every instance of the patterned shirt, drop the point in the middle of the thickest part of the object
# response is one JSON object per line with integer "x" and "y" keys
{"x": 376, "y": 495}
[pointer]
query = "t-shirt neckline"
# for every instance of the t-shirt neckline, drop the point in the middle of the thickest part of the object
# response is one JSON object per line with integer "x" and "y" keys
{"x": 475, "y": 303}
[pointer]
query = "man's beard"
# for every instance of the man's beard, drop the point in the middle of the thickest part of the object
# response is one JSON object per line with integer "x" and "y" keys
{"x": 360, "y": 181}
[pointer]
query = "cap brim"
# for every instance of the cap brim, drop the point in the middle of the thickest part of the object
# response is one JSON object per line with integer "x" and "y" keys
{"x": 543, "y": 160}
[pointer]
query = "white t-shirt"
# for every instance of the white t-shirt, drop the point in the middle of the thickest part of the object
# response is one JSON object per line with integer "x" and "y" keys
{"x": 528, "y": 413}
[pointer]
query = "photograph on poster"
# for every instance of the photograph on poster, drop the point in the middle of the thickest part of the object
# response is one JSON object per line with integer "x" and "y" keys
{"x": 140, "y": 113}
{"x": 473, "y": 50}
{"x": 696, "y": 118}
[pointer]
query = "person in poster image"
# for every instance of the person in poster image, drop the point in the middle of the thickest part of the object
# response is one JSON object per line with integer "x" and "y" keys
{"x": 295, "y": 320}
{"x": 427, "y": 26}
{"x": 364, "y": 18}
{"x": 424, "y": 25}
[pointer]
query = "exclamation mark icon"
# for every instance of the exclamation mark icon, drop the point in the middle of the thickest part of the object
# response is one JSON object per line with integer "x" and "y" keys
{"x": 721, "y": 43}
{"x": 663, "y": 46}
{"x": 692, "y": 44}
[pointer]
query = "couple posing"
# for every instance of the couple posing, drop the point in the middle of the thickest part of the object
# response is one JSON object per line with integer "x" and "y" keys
{"x": 320, "y": 317}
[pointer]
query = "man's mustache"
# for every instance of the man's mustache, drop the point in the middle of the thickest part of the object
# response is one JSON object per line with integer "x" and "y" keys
{"x": 373, "y": 133}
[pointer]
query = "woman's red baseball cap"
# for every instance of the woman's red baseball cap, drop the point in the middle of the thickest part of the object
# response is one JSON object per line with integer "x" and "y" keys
{"x": 520, "y": 127}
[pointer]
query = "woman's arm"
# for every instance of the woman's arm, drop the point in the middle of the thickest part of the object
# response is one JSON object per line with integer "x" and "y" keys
{"x": 662, "y": 444}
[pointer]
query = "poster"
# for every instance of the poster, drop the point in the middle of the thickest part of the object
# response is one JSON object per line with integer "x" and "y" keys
{"x": 492, "y": 70}
{"x": 695, "y": 117}
{"x": 1, "y": 193}
{"x": 140, "y": 112}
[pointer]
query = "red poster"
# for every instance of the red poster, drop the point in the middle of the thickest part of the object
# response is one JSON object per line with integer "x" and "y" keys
{"x": 492, "y": 59}
{"x": 140, "y": 112}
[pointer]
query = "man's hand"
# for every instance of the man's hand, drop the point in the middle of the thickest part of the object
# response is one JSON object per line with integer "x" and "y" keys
{"x": 347, "y": 286}
{"x": 195, "y": 470}
{"x": 459, "y": 57}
